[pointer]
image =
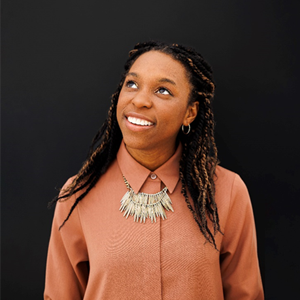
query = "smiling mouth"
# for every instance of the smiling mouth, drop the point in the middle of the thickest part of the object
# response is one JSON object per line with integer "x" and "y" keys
{"x": 139, "y": 122}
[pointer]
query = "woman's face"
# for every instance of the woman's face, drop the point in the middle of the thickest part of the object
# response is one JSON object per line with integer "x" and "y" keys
{"x": 153, "y": 103}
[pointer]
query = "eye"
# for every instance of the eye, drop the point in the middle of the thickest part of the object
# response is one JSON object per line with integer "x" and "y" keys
{"x": 163, "y": 91}
{"x": 131, "y": 84}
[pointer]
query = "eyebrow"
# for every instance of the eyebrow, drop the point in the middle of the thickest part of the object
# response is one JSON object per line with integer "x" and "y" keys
{"x": 160, "y": 80}
{"x": 167, "y": 80}
{"x": 133, "y": 74}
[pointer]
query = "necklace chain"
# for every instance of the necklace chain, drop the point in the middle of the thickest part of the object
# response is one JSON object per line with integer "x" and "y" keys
{"x": 143, "y": 206}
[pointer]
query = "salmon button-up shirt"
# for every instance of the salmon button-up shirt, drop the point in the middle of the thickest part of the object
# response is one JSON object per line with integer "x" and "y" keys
{"x": 99, "y": 254}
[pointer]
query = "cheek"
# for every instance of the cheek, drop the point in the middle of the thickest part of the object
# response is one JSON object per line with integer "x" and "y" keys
{"x": 120, "y": 103}
{"x": 172, "y": 118}
{"x": 119, "y": 111}
{"x": 177, "y": 114}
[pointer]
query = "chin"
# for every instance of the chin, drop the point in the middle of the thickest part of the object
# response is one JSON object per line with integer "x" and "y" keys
{"x": 136, "y": 143}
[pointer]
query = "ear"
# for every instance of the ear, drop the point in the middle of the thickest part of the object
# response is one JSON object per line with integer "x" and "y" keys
{"x": 191, "y": 113}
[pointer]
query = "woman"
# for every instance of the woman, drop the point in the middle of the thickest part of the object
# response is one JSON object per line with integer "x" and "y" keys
{"x": 151, "y": 215}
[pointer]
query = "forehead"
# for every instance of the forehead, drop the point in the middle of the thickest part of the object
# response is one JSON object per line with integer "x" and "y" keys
{"x": 156, "y": 64}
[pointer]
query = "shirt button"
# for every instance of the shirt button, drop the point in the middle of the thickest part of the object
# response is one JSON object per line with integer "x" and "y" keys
{"x": 153, "y": 176}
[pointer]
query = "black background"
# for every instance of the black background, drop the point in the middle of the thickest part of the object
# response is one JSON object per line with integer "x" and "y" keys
{"x": 61, "y": 61}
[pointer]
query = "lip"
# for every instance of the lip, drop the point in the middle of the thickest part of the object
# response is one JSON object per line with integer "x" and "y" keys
{"x": 139, "y": 116}
{"x": 137, "y": 128}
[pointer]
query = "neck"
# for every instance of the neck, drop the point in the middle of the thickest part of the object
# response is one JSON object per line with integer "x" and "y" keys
{"x": 151, "y": 159}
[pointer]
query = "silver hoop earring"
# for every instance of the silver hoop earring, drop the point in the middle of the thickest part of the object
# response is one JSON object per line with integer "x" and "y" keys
{"x": 189, "y": 129}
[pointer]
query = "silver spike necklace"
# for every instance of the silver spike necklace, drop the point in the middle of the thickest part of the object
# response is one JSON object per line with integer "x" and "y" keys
{"x": 143, "y": 206}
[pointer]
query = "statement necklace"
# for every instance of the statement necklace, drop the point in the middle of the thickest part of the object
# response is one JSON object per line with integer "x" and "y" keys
{"x": 142, "y": 206}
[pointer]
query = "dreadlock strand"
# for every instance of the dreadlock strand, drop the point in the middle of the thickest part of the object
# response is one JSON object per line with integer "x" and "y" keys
{"x": 201, "y": 224}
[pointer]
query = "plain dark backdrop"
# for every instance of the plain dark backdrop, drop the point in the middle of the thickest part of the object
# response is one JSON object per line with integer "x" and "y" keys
{"x": 61, "y": 61}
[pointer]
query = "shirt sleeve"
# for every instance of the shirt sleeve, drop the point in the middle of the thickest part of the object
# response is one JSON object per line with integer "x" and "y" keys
{"x": 67, "y": 266}
{"x": 239, "y": 262}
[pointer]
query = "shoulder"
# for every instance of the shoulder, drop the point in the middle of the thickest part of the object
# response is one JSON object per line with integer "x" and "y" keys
{"x": 105, "y": 184}
{"x": 228, "y": 180}
{"x": 67, "y": 184}
{"x": 231, "y": 191}
{"x": 64, "y": 205}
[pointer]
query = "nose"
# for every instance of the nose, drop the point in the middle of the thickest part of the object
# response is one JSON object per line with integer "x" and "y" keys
{"x": 142, "y": 99}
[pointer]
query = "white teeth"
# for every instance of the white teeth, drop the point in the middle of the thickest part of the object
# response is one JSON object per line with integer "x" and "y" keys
{"x": 139, "y": 121}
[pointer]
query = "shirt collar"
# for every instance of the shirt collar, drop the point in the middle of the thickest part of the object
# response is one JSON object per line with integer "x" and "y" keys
{"x": 136, "y": 174}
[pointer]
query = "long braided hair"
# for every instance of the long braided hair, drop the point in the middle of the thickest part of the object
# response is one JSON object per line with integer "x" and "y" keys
{"x": 199, "y": 156}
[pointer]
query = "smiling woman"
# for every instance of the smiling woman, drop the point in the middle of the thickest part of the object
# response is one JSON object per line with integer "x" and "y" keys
{"x": 151, "y": 215}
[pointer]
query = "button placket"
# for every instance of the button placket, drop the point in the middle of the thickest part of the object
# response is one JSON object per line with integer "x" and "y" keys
{"x": 152, "y": 251}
